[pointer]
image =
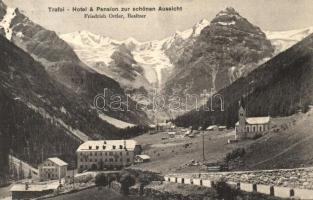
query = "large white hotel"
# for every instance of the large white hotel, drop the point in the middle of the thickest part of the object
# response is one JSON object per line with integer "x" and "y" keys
{"x": 106, "y": 154}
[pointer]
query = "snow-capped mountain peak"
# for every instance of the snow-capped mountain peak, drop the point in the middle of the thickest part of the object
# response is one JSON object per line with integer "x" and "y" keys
{"x": 6, "y": 22}
{"x": 197, "y": 28}
{"x": 282, "y": 40}
{"x": 131, "y": 40}
{"x": 230, "y": 11}
{"x": 97, "y": 50}
{"x": 87, "y": 38}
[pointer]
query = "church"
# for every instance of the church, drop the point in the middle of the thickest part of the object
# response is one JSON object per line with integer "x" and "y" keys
{"x": 250, "y": 127}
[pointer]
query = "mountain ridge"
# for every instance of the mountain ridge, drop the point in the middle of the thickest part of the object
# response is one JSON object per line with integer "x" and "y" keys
{"x": 63, "y": 65}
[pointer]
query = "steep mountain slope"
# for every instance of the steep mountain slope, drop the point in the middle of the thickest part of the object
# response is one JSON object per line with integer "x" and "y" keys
{"x": 62, "y": 63}
{"x": 288, "y": 148}
{"x": 282, "y": 40}
{"x": 41, "y": 115}
{"x": 279, "y": 87}
{"x": 228, "y": 48}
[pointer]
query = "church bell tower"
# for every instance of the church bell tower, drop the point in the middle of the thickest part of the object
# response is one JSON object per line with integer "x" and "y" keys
{"x": 242, "y": 120}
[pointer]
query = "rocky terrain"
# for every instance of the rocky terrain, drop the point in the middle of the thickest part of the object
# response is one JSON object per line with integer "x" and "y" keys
{"x": 230, "y": 47}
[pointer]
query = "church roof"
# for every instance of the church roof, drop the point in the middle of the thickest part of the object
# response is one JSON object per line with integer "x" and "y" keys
{"x": 257, "y": 120}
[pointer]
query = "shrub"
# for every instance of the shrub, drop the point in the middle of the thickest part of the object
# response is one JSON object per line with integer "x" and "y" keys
{"x": 101, "y": 180}
{"x": 127, "y": 180}
{"x": 225, "y": 191}
{"x": 238, "y": 152}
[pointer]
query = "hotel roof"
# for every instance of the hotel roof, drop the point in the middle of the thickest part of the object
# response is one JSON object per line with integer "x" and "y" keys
{"x": 107, "y": 145}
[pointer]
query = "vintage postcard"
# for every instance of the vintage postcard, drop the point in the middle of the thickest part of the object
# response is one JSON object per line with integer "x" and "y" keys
{"x": 156, "y": 99}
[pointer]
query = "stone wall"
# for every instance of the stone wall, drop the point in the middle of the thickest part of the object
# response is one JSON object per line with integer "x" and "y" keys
{"x": 301, "y": 178}
{"x": 208, "y": 180}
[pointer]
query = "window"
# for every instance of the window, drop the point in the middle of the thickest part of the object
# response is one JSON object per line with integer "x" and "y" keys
{"x": 103, "y": 147}
{"x": 111, "y": 153}
{"x": 91, "y": 153}
{"x": 106, "y": 153}
{"x": 113, "y": 147}
{"x": 121, "y": 146}
{"x": 127, "y": 153}
{"x": 95, "y": 153}
{"x": 97, "y": 147}
{"x": 89, "y": 147}
{"x": 121, "y": 153}
{"x": 128, "y": 160}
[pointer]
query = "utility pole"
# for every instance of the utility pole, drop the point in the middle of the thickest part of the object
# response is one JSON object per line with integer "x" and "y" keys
{"x": 200, "y": 129}
{"x": 73, "y": 164}
{"x": 203, "y": 146}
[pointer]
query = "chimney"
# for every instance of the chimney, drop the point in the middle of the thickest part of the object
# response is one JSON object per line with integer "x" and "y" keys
{"x": 26, "y": 186}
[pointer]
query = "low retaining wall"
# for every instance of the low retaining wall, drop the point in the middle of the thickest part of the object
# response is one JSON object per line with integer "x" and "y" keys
{"x": 207, "y": 183}
{"x": 247, "y": 187}
{"x": 180, "y": 180}
{"x": 282, "y": 192}
{"x": 197, "y": 182}
{"x": 303, "y": 194}
{"x": 265, "y": 189}
{"x": 293, "y": 178}
{"x": 188, "y": 181}
{"x": 173, "y": 179}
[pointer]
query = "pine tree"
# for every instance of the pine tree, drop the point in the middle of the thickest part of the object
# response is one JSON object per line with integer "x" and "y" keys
{"x": 29, "y": 174}
{"x": 21, "y": 171}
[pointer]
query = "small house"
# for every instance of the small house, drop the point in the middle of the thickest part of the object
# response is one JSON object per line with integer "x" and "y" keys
{"x": 52, "y": 169}
{"x": 171, "y": 134}
{"x": 212, "y": 128}
{"x": 142, "y": 158}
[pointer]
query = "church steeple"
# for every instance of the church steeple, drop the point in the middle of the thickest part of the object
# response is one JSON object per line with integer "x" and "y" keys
{"x": 242, "y": 116}
{"x": 242, "y": 103}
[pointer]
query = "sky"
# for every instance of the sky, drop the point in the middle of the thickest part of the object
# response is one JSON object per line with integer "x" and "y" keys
{"x": 267, "y": 14}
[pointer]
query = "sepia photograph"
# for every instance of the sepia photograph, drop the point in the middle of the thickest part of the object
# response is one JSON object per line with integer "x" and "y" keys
{"x": 156, "y": 99}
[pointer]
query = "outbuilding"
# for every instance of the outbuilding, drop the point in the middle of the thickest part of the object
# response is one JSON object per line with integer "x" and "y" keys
{"x": 142, "y": 158}
{"x": 30, "y": 191}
